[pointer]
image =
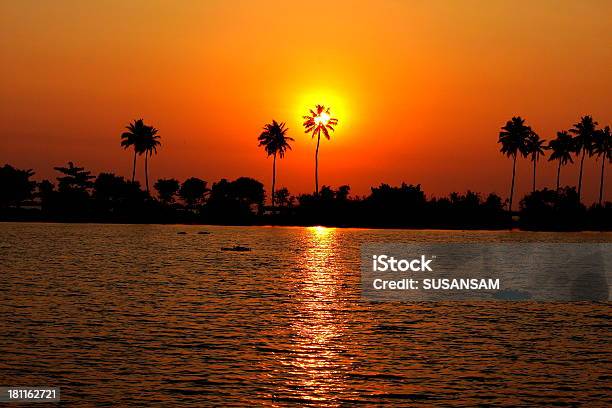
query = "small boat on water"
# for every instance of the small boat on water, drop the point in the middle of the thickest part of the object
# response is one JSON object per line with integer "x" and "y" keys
{"x": 236, "y": 248}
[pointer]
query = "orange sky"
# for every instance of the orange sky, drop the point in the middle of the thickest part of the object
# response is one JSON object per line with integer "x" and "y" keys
{"x": 420, "y": 87}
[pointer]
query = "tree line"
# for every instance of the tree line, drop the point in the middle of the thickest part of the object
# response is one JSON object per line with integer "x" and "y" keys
{"x": 582, "y": 140}
{"x": 77, "y": 195}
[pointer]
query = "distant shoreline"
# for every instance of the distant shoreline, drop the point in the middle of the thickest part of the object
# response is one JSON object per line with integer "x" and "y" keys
{"x": 514, "y": 228}
{"x": 108, "y": 198}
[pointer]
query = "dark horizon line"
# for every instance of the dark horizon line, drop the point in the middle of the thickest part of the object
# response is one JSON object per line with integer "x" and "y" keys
{"x": 354, "y": 197}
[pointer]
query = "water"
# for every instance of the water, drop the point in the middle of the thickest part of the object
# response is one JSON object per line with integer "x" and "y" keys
{"x": 138, "y": 315}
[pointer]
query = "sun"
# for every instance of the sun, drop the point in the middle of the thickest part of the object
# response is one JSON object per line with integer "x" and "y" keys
{"x": 322, "y": 119}
{"x": 306, "y": 99}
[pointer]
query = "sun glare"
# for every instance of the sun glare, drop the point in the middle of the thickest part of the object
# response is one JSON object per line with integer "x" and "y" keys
{"x": 322, "y": 119}
{"x": 328, "y": 97}
{"x": 320, "y": 231}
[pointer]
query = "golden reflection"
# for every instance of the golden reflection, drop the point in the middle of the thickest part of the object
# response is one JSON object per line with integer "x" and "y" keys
{"x": 320, "y": 349}
{"x": 320, "y": 231}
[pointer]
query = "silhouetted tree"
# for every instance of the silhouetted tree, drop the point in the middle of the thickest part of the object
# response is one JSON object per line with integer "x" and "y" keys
{"x": 469, "y": 200}
{"x": 192, "y": 191}
{"x": 236, "y": 201}
{"x": 114, "y": 195}
{"x": 249, "y": 191}
{"x": 72, "y": 199}
{"x": 466, "y": 211}
{"x": 327, "y": 194}
{"x": 535, "y": 147}
{"x": 493, "y": 202}
{"x": 602, "y": 147}
{"x": 275, "y": 141}
{"x": 15, "y": 186}
{"x": 75, "y": 179}
{"x": 343, "y": 192}
{"x": 329, "y": 207}
{"x": 562, "y": 148}
{"x": 283, "y": 198}
{"x": 584, "y": 132}
{"x": 108, "y": 187}
{"x": 513, "y": 137}
{"x": 549, "y": 209}
{"x": 150, "y": 142}
{"x": 388, "y": 205}
{"x": 134, "y": 138}
{"x": 167, "y": 189}
{"x": 319, "y": 121}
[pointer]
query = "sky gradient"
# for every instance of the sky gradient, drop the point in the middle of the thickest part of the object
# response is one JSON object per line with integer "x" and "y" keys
{"x": 420, "y": 88}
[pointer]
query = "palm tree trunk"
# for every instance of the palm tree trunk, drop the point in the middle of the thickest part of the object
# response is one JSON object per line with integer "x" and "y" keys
{"x": 534, "y": 175}
{"x": 558, "y": 174}
{"x": 273, "y": 178}
{"x": 580, "y": 176}
{"x": 603, "y": 162}
{"x": 317, "y": 165}
{"x": 134, "y": 167}
{"x": 147, "y": 169}
{"x": 512, "y": 185}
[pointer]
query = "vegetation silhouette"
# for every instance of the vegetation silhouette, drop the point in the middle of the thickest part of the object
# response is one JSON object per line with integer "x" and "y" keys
{"x": 143, "y": 139}
{"x": 283, "y": 198}
{"x": 602, "y": 148}
{"x": 275, "y": 141}
{"x": 110, "y": 198}
{"x": 133, "y": 138}
{"x": 150, "y": 144}
{"x": 535, "y": 148}
{"x": 15, "y": 186}
{"x": 552, "y": 209}
{"x": 562, "y": 149}
{"x": 234, "y": 202}
{"x": 317, "y": 122}
{"x": 192, "y": 192}
{"x": 584, "y": 132}
{"x": 167, "y": 189}
{"x": 77, "y": 195}
{"x": 513, "y": 139}
{"x": 75, "y": 179}
{"x": 517, "y": 138}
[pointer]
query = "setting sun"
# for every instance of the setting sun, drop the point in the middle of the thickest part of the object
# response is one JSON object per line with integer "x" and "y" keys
{"x": 322, "y": 119}
{"x": 316, "y": 122}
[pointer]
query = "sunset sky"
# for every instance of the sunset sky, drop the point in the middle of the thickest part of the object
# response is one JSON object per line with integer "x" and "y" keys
{"x": 420, "y": 88}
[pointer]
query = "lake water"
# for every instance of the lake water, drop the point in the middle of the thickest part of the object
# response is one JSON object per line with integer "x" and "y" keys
{"x": 140, "y": 314}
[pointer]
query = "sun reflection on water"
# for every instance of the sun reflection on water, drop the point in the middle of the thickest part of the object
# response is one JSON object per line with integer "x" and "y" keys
{"x": 320, "y": 355}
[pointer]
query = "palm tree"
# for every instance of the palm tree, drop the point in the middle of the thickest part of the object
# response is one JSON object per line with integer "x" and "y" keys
{"x": 513, "y": 138}
{"x": 133, "y": 138}
{"x": 319, "y": 121}
{"x": 584, "y": 131}
{"x": 602, "y": 147}
{"x": 275, "y": 141}
{"x": 150, "y": 142}
{"x": 535, "y": 147}
{"x": 562, "y": 148}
